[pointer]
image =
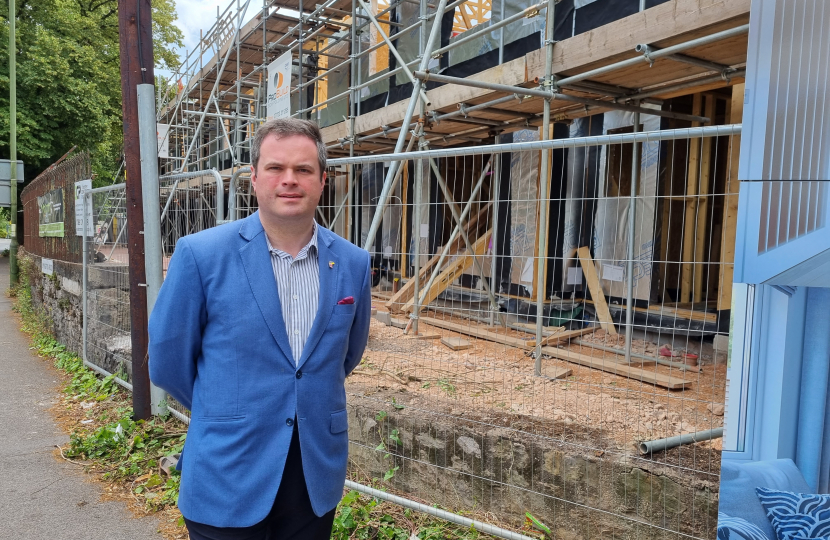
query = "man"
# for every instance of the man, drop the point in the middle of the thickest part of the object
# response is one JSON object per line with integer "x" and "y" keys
{"x": 254, "y": 331}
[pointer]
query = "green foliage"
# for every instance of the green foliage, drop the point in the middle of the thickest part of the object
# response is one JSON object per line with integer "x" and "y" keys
{"x": 68, "y": 78}
{"x": 4, "y": 222}
{"x": 363, "y": 517}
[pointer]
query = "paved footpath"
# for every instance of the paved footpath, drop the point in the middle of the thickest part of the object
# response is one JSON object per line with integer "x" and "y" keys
{"x": 41, "y": 497}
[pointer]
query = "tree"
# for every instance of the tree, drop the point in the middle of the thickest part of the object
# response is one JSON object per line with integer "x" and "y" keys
{"x": 68, "y": 78}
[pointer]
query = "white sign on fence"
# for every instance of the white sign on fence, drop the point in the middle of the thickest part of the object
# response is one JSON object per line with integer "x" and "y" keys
{"x": 163, "y": 137}
{"x": 80, "y": 187}
{"x": 48, "y": 266}
{"x": 279, "y": 87}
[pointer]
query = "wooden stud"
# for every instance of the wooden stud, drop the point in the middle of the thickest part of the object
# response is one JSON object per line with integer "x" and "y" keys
{"x": 404, "y": 294}
{"x": 561, "y": 337}
{"x": 600, "y": 305}
{"x": 457, "y": 267}
{"x": 404, "y": 214}
{"x": 730, "y": 205}
{"x": 688, "y": 250}
{"x": 702, "y": 221}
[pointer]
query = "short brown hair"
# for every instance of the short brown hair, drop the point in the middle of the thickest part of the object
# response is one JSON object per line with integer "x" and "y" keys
{"x": 287, "y": 127}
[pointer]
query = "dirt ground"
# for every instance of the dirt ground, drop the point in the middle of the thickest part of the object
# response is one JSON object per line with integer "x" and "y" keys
{"x": 495, "y": 384}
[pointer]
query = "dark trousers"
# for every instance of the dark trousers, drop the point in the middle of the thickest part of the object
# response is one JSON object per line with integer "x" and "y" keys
{"x": 291, "y": 517}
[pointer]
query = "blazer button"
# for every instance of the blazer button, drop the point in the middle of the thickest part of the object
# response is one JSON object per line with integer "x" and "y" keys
{"x": 299, "y": 374}
{"x": 289, "y": 422}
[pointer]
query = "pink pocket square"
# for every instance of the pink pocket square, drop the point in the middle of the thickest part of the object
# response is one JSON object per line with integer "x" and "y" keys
{"x": 347, "y": 300}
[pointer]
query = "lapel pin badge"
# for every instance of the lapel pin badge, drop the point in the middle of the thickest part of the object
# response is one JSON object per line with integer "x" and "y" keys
{"x": 331, "y": 264}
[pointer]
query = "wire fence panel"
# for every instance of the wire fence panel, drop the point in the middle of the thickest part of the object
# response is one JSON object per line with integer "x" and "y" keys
{"x": 107, "y": 310}
{"x": 464, "y": 415}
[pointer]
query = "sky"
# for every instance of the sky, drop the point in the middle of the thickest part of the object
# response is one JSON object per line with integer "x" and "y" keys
{"x": 195, "y": 15}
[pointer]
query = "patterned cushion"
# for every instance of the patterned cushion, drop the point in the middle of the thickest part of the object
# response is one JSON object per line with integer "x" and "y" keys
{"x": 796, "y": 515}
{"x": 735, "y": 528}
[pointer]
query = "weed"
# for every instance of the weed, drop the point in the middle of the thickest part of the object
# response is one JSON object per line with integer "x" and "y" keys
{"x": 446, "y": 386}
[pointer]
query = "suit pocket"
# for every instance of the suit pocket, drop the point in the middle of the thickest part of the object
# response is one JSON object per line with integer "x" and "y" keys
{"x": 339, "y": 421}
{"x": 346, "y": 310}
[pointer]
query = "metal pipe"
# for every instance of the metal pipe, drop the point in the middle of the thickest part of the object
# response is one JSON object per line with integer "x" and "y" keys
{"x": 105, "y": 373}
{"x": 681, "y": 86}
{"x": 632, "y": 224}
{"x": 649, "y": 50}
{"x": 14, "y": 270}
{"x": 718, "y": 36}
{"x": 552, "y": 144}
{"x": 410, "y": 110}
{"x": 212, "y": 94}
{"x": 85, "y": 274}
{"x": 479, "y": 526}
{"x": 649, "y": 447}
{"x": 232, "y": 210}
{"x": 544, "y": 186}
{"x": 154, "y": 275}
{"x": 496, "y": 187}
{"x": 426, "y": 77}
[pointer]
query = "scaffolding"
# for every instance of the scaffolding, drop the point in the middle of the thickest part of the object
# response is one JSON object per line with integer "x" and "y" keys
{"x": 448, "y": 177}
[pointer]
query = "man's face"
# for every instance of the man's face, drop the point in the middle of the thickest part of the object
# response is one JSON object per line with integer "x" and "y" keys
{"x": 288, "y": 181}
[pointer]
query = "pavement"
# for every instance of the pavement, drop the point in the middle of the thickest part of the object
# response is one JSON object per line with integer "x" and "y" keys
{"x": 5, "y": 243}
{"x": 42, "y": 497}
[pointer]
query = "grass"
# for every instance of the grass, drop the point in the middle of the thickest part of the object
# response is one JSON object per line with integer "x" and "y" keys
{"x": 125, "y": 453}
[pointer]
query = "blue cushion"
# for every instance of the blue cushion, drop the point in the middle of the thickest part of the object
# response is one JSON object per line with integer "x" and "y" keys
{"x": 740, "y": 478}
{"x": 796, "y": 515}
{"x": 735, "y": 528}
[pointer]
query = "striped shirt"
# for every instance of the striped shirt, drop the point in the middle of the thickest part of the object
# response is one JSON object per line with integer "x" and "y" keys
{"x": 298, "y": 283}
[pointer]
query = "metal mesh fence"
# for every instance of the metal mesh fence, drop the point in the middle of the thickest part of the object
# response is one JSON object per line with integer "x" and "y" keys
{"x": 107, "y": 342}
{"x": 463, "y": 414}
{"x": 456, "y": 402}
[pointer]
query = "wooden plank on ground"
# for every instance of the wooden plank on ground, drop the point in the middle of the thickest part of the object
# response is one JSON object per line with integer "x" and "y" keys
{"x": 600, "y": 305}
{"x": 456, "y": 343}
{"x": 457, "y": 267}
{"x": 475, "y": 331}
{"x": 559, "y": 337}
{"x": 556, "y": 372}
{"x": 623, "y": 370}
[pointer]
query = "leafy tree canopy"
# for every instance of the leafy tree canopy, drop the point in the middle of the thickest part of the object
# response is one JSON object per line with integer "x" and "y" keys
{"x": 68, "y": 78}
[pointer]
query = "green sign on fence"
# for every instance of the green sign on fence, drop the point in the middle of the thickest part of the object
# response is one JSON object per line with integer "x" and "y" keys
{"x": 51, "y": 213}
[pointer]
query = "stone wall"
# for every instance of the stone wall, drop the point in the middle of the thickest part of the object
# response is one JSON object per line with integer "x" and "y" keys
{"x": 579, "y": 492}
{"x": 60, "y": 298}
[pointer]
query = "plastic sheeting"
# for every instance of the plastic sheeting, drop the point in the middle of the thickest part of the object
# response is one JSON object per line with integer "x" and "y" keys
{"x": 337, "y": 83}
{"x": 611, "y": 230}
{"x": 488, "y": 40}
{"x": 524, "y": 189}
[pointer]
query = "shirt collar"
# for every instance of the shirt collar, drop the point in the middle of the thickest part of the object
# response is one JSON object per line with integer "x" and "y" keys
{"x": 312, "y": 244}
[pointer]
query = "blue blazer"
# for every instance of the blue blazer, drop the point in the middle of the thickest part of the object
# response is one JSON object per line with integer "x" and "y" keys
{"x": 218, "y": 345}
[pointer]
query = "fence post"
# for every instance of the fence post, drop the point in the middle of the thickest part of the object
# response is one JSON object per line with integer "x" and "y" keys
{"x": 148, "y": 143}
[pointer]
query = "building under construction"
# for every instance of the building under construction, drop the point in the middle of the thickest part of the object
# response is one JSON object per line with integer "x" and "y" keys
{"x": 549, "y": 194}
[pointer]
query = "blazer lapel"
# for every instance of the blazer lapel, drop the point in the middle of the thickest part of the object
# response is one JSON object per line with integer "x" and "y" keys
{"x": 256, "y": 260}
{"x": 328, "y": 288}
